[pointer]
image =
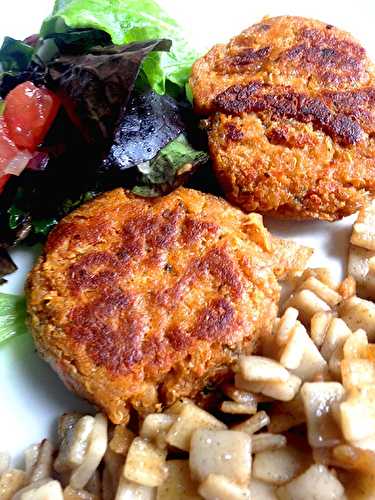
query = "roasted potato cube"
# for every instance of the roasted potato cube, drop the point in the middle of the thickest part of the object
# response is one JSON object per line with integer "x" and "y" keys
{"x": 316, "y": 482}
{"x": 191, "y": 418}
{"x": 220, "y": 452}
{"x": 356, "y": 345}
{"x": 178, "y": 484}
{"x": 156, "y": 426}
{"x": 128, "y": 491}
{"x": 279, "y": 466}
{"x": 318, "y": 399}
{"x": 218, "y": 487}
{"x": 145, "y": 463}
{"x": 10, "y": 482}
{"x": 261, "y": 369}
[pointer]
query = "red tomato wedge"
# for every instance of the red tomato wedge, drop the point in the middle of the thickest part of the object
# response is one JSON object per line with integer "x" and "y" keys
{"x": 8, "y": 150}
{"x": 29, "y": 112}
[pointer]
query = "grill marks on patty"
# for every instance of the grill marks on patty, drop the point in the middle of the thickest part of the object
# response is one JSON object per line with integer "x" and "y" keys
{"x": 110, "y": 322}
{"x": 256, "y": 97}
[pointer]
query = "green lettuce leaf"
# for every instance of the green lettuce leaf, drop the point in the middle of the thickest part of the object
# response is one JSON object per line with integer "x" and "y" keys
{"x": 128, "y": 21}
{"x": 14, "y": 55}
{"x": 169, "y": 168}
{"x": 12, "y": 316}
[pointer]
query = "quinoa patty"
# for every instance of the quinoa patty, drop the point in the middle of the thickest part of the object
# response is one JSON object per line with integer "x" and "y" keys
{"x": 136, "y": 302}
{"x": 292, "y": 118}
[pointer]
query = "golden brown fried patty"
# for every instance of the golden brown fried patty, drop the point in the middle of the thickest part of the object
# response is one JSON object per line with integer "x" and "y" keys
{"x": 292, "y": 127}
{"x": 136, "y": 301}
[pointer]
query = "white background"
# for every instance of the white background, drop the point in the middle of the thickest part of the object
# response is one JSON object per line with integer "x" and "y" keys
{"x": 31, "y": 396}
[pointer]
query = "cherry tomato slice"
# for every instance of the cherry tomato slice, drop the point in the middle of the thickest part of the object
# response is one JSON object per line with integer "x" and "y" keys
{"x": 29, "y": 112}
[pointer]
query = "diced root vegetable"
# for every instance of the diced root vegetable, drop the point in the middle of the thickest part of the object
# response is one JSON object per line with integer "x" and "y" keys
{"x": 357, "y": 373}
{"x": 292, "y": 353}
{"x": 261, "y": 369}
{"x": 262, "y": 491}
{"x": 336, "y": 335}
{"x": 127, "y": 491}
{"x": 96, "y": 447}
{"x": 239, "y": 396}
{"x": 308, "y": 304}
{"x": 10, "y": 482}
{"x": 359, "y": 313}
{"x": 41, "y": 490}
{"x": 191, "y": 418}
{"x": 238, "y": 408}
{"x": 285, "y": 415}
{"x": 145, "y": 463}
{"x": 221, "y": 452}
{"x": 121, "y": 439}
{"x": 283, "y": 391}
{"x": 217, "y": 487}
{"x": 156, "y": 426}
{"x": 319, "y": 326}
{"x": 312, "y": 362}
{"x": 71, "y": 494}
{"x": 42, "y": 468}
{"x": 253, "y": 424}
{"x": 279, "y": 466}
{"x": 178, "y": 485}
{"x": 286, "y": 325}
{"x": 358, "y": 413}
{"x": 317, "y": 480}
{"x": 267, "y": 441}
{"x": 318, "y": 399}
{"x": 324, "y": 292}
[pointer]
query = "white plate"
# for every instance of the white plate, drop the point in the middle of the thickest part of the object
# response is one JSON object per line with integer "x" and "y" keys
{"x": 31, "y": 396}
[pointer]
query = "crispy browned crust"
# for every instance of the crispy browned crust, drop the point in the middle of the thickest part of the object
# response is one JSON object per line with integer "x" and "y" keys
{"x": 292, "y": 131}
{"x": 136, "y": 302}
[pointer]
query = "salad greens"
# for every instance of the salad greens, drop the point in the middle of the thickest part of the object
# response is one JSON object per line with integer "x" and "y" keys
{"x": 12, "y": 316}
{"x": 149, "y": 123}
{"x": 165, "y": 171}
{"x": 129, "y": 21}
{"x": 106, "y": 77}
{"x": 120, "y": 69}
